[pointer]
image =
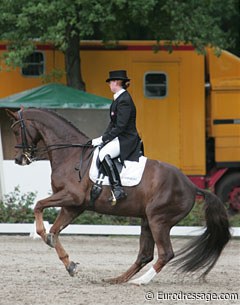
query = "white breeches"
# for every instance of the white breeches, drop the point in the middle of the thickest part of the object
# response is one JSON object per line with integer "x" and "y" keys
{"x": 112, "y": 149}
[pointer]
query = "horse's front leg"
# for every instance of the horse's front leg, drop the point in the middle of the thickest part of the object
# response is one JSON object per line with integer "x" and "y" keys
{"x": 66, "y": 216}
{"x": 56, "y": 200}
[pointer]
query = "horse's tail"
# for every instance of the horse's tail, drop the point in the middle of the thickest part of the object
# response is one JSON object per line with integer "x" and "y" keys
{"x": 203, "y": 252}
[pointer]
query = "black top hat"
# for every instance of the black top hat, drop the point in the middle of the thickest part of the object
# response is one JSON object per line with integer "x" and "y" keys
{"x": 118, "y": 75}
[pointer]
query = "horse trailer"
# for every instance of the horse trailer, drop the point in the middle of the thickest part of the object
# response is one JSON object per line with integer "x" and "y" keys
{"x": 188, "y": 104}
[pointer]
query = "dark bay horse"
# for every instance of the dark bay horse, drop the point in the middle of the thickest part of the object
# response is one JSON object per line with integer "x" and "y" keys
{"x": 163, "y": 197}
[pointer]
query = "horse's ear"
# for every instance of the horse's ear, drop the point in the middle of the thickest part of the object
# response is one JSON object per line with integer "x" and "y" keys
{"x": 11, "y": 114}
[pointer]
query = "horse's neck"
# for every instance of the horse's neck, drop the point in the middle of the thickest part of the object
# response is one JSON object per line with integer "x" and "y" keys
{"x": 61, "y": 135}
{"x": 55, "y": 130}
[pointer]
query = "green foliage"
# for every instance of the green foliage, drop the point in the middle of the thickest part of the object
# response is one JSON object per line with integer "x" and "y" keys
{"x": 53, "y": 76}
{"x": 235, "y": 220}
{"x": 99, "y": 219}
{"x": 213, "y": 22}
{"x": 18, "y": 208}
{"x": 195, "y": 217}
{"x": 64, "y": 23}
{"x": 206, "y": 22}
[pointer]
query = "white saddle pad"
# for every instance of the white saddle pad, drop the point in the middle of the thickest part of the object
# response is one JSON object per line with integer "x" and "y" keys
{"x": 130, "y": 175}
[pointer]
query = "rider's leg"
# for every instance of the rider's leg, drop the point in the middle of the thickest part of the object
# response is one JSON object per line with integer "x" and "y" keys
{"x": 113, "y": 149}
{"x": 96, "y": 188}
{"x": 107, "y": 153}
{"x": 114, "y": 178}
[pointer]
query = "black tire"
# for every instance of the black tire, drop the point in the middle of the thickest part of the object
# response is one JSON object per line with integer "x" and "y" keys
{"x": 225, "y": 186}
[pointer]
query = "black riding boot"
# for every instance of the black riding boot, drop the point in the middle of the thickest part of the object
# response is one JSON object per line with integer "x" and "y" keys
{"x": 97, "y": 187}
{"x": 114, "y": 178}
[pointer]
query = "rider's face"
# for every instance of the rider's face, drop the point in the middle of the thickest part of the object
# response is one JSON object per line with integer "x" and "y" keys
{"x": 114, "y": 86}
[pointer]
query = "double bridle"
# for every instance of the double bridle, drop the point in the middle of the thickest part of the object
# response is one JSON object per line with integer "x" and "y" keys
{"x": 29, "y": 150}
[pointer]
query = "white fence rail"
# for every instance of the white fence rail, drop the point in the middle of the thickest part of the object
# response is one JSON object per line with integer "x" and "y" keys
{"x": 36, "y": 178}
{"x": 28, "y": 228}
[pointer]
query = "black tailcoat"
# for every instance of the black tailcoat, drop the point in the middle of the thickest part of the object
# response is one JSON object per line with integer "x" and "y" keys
{"x": 123, "y": 125}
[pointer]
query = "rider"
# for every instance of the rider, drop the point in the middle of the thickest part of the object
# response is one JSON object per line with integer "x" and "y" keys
{"x": 121, "y": 137}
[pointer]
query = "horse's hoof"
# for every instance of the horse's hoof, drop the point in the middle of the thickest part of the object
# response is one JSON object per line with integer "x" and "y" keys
{"x": 50, "y": 240}
{"x": 72, "y": 268}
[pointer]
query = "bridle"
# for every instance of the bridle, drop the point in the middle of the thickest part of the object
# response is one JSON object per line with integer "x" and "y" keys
{"x": 29, "y": 150}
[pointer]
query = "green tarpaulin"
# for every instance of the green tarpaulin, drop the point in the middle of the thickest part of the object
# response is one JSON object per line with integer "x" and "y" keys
{"x": 56, "y": 96}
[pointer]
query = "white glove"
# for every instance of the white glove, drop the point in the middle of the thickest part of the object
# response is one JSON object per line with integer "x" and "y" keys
{"x": 96, "y": 141}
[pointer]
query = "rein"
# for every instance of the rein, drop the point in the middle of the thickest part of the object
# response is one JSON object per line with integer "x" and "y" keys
{"x": 85, "y": 148}
{"x": 89, "y": 158}
{"x": 61, "y": 146}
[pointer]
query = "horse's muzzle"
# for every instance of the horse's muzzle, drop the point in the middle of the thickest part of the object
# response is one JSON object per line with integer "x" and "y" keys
{"x": 23, "y": 159}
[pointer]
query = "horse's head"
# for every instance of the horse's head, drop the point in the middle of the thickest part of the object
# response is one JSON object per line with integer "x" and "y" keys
{"x": 26, "y": 137}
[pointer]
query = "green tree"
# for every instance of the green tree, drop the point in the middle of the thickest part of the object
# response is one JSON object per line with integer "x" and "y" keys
{"x": 206, "y": 22}
{"x": 62, "y": 22}
{"x": 66, "y": 22}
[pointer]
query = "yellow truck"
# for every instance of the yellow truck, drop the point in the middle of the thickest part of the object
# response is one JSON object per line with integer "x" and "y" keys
{"x": 188, "y": 105}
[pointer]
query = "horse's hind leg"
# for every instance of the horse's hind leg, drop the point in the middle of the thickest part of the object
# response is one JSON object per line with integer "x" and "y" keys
{"x": 66, "y": 215}
{"x": 145, "y": 255}
{"x": 161, "y": 235}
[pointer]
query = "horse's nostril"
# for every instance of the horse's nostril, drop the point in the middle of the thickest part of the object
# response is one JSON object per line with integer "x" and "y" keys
{"x": 17, "y": 161}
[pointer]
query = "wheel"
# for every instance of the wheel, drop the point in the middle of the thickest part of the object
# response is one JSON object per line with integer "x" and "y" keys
{"x": 228, "y": 190}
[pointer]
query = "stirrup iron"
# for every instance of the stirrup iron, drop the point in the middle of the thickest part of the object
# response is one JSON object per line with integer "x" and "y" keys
{"x": 113, "y": 199}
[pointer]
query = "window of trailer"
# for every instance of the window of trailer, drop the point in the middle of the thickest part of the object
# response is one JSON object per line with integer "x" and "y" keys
{"x": 33, "y": 64}
{"x": 155, "y": 84}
